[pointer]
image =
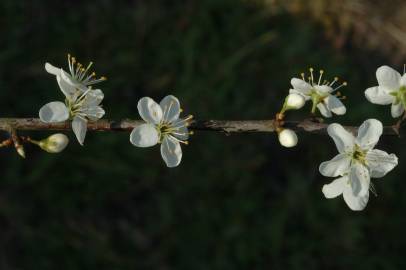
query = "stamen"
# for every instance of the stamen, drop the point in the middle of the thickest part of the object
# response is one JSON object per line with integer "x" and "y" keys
{"x": 303, "y": 77}
{"x": 311, "y": 75}
{"x": 321, "y": 75}
{"x": 334, "y": 81}
{"x": 342, "y": 85}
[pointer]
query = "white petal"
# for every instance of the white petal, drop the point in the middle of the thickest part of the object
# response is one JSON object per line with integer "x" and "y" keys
{"x": 339, "y": 165}
{"x": 355, "y": 203}
{"x": 294, "y": 91}
{"x": 301, "y": 86}
{"x": 378, "y": 95}
{"x": 171, "y": 108}
{"x": 323, "y": 89}
{"x": 335, "y": 188}
{"x": 343, "y": 139}
{"x": 403, "y": 80}
{"x": 369, "y": 133}
{"x": 388, "y": 78}
{"x": 171, "y": 152}
{"x": 67, "y": 89}
{"x": 144, "y": 135}
{"x": 94, "y": 113}
{"x": 79, "y": 127}
{"x": 93, "y": 98}
{"x": 52, "y": 69}
{"x": 72, "y": 81}
{"x": 149, "y": 110}
{"x": 335, "y": 105}
{"x": 54, "y": 112}
{"x": 359, "y": 179}
{"x": 324, "y": 110}
{"x": 380, "y": 162}
{"x": 397, "y": 110}
{"x": 181, "y": 131}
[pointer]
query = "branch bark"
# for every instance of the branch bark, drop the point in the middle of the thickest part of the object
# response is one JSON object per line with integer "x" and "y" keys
{"x": 225, "y": 126}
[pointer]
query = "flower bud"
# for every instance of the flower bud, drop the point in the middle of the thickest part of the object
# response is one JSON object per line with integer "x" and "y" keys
{"x": 294, "y": 101}
{"x": 287, "y": 138}
{"x": 55, "y": 143}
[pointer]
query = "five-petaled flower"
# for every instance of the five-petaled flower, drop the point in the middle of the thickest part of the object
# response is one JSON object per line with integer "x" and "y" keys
{"x": 82, "y": 103}
{"x": 391, "y": 89}
{"x": 356, "y": 163}
{"x": 163, "y": 126}
{"x": 321, "y": 93}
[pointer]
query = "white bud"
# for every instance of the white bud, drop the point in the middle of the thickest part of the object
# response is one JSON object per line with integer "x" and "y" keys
{"x": 55, "y": 143}
{"x": 295, "y": 101}
{"x": 287, "y": 138}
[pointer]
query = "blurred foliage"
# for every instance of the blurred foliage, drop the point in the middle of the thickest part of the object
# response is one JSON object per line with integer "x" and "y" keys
{"x": 235, "y": 202}
{"x": 369, "y": 24}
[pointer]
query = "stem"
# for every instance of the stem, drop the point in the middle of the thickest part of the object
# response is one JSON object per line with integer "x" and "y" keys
{"x": 225, "y": 126}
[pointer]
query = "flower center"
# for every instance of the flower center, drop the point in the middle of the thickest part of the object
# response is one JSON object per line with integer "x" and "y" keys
{"x": 358, "y": 154}
{"x": 81, "y": 74}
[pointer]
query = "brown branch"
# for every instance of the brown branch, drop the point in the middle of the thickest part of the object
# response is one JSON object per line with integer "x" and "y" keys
{"x": 225, "y": 126}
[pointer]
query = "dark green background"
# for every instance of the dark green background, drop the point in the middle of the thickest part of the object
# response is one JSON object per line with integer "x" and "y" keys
{"x": 235, "y": 202}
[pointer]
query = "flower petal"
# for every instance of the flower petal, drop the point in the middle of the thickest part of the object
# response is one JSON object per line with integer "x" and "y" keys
{"x": 73, "y": 82}
{"x": 294, "y": 91}
{"x": 355, "y": 203}
{"x": 149, "y": 110}
{"x": 54, "y": 112}
{"x": 301, "y": 86}
{"x": 93, "y": 98}
{"x": 339, "y": 165}
{"x": 144, "y": 135}
{"x": 388, "y": 78}
{"x": 369, "y": 133}
{"x": 94, "y": 113}
{"x": 380, "y": 162}
{"x": 359, "y": 179}
{"x": 181, "y": 131}
{"x": 397, "y": 110}
{"x": 323, "y": 89}
{"x": 171, "y": 152}
{"x": 343, "y": 139}
{"x": 67, "y": 89}
{"x": 335, "y": 188}
{"x": 378, "y": 95}
{"x": 79, "y": 127}
{"x": 171, "y": 108}
{"x": 335, "y": 105}
{"x": 324, "y": 110}
{"x": 403, "y": 80}
{"x": 52, "y": 69}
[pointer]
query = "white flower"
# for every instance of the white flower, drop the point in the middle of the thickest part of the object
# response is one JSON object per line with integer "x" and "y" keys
{"x": 287, "y": 138}
{"x": 82, "y": 103}
{"x": 356, "y": 163}
{"x": 164, "y": 126}
{"x": 320, "y": 93}
{"x": 54, "y": 144}
{"x": 391, "y": 89}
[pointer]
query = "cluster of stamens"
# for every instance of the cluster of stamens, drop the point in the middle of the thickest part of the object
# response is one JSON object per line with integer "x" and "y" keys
{"x": 169, "y": 129}
{"x": 81, "y": 74}
{"x": 311, "y": 80}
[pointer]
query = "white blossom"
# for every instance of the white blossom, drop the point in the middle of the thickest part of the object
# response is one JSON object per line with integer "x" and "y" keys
{"x": 356, "y": 163}
{"x": 287, "y": 138}
{"x": 322, "y": 94}
{"x": 82, "y": 103}
{"x": 163, "y": 126}
{"x": 391, "y": 89}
